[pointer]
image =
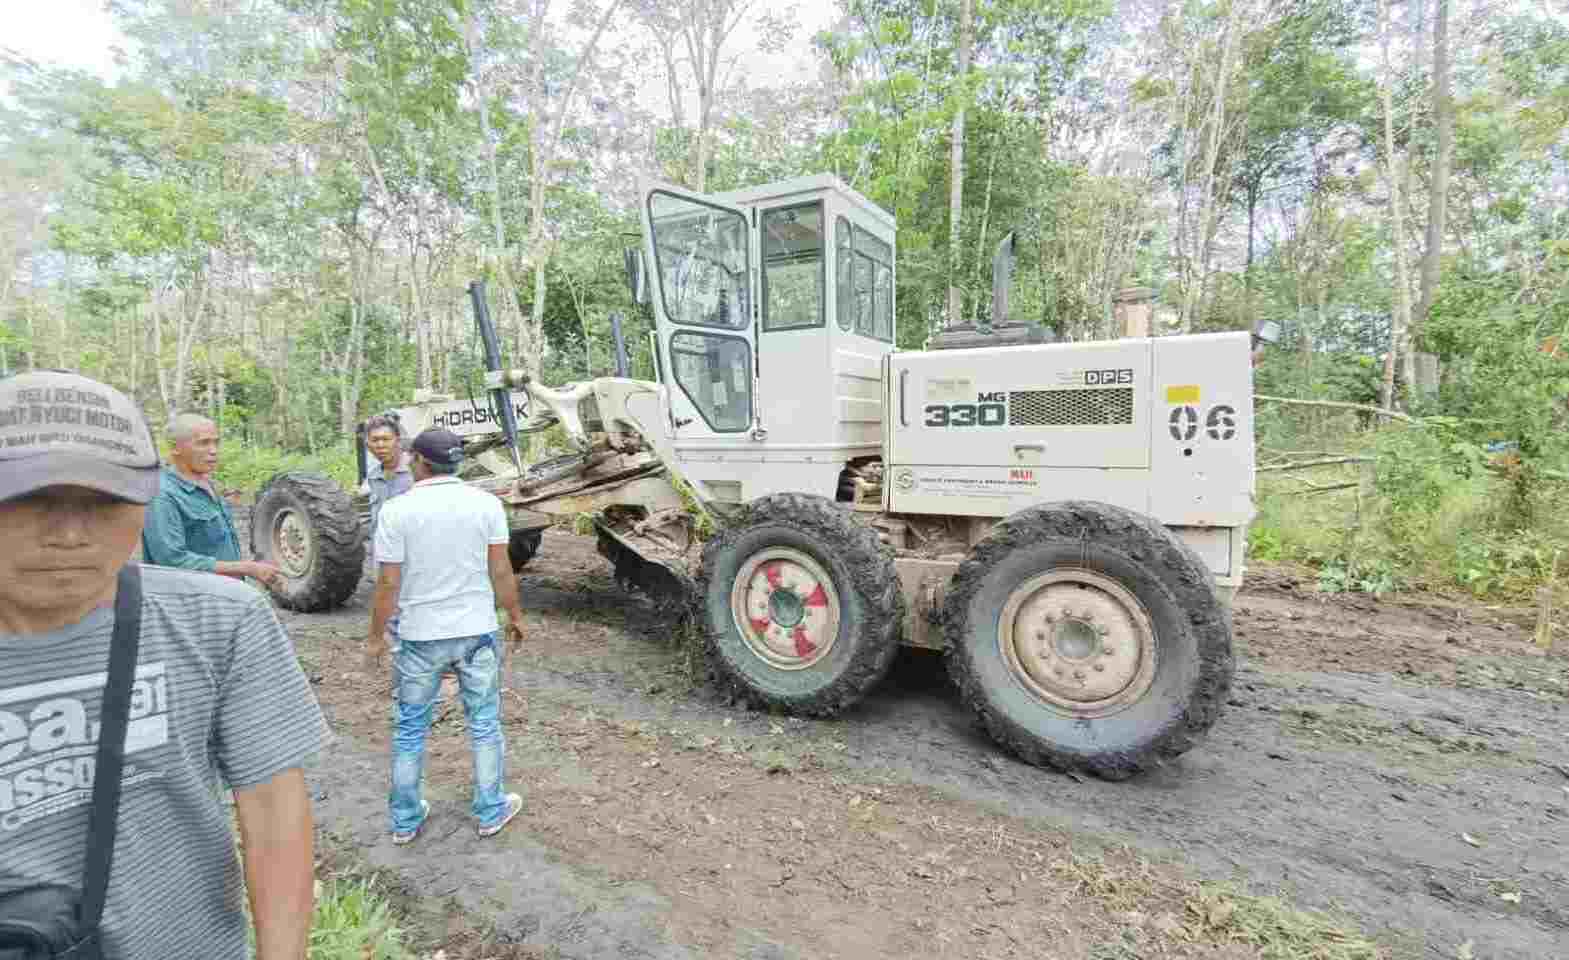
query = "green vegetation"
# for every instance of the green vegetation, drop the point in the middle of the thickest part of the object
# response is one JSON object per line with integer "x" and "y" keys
{"x": 245, "y": 468}
{"x": 272, "y": 213}
{"x": 355, "y": 921}
{"x": 1431, "y": 508}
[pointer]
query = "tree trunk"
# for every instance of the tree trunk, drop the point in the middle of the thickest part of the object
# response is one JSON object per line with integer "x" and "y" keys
{"x": 1400, "y": 323}
{"x": 1438, "y": 188}
{"x": 956, "y": 164}
{"x": 1217, "y": 120}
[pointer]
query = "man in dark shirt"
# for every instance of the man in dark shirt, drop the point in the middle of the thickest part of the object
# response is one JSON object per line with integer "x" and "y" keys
{"x": 188, "y": 524}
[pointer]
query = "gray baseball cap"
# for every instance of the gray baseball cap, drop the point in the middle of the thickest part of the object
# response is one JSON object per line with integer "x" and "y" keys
{"x": 62, "y": 429}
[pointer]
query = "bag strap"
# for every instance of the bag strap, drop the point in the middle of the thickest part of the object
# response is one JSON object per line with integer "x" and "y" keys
{"x": 111, "y": 745}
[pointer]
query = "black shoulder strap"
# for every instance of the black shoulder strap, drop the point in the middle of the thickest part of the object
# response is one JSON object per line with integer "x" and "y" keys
{"x": 111, "y": 744}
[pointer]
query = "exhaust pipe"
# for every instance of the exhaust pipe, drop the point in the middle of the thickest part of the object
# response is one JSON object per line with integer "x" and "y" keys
{"x": 1002, "y": 279}
{"x": 499, "y": 394}
{"x": 622, "y": 366}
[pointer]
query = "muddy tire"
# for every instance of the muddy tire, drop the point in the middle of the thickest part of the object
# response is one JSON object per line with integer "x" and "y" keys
{"x": 800, "y": 606}
{"x": 1089, "y": 638}
{"x": 308, "y": 525}
{"x": 522, "y": 546}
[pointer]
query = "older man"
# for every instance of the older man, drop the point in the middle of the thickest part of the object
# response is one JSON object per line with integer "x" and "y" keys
{"x": 219, "y": 699}
{"x": 188, "y": 524}
{"x": 442, "y": 550}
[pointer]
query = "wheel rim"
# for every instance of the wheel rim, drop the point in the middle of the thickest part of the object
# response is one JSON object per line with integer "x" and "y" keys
{"x": 294, "y": 547}
{"x": 785, "y": 608}
{"x": 1079, "y": 641}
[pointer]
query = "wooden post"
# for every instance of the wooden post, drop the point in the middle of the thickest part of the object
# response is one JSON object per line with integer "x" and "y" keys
{"x": 1131, "y": 309}
{"x": 1544, "y": 617}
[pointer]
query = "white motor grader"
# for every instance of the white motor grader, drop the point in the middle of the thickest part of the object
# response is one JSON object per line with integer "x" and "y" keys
{"x": 1065, "y": 520}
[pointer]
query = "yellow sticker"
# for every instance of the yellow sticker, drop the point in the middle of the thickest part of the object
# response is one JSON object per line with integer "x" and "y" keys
{"x": 1187, "y": 393}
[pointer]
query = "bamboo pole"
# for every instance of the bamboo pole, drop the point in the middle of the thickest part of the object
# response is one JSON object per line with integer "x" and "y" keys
{"x": 1377, "y": 411}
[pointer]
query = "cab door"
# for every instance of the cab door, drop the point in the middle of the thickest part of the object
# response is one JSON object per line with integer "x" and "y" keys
{"x": 702, "y": 259}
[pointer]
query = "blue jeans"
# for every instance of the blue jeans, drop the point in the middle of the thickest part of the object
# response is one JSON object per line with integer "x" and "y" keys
{"x": 417, "y": 668}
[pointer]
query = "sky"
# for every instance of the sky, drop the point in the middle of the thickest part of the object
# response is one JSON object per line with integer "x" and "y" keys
{"x": 82, "y": 34}
{"x": 66, "y": 33}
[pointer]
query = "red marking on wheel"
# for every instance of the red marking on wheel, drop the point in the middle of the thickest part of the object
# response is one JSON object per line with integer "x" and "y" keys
{"x": 761, "y": 626}
{"x": 804, "y": 647}
{"x": 775, "y": 578}
{"x": 819, "y": 597}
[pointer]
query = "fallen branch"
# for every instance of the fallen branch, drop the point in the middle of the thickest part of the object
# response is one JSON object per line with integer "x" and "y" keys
{"x": 1314, "y": 488}
{"x": 1314, "y": 463}
{"x": 1378, "y": 411}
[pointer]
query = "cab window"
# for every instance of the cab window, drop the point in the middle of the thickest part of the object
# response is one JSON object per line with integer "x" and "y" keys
{"x": 701, "y": 260}
{"x": 793, "y": 267}
{"x": 715, "y": 373}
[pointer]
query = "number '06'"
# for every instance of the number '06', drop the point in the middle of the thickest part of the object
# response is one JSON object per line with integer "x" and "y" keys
{"x": 1220, "y": 422}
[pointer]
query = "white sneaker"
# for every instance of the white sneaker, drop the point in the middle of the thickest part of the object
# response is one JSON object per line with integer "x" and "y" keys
{"x": 401, "y": 838}
{"x": 514, "y": 807}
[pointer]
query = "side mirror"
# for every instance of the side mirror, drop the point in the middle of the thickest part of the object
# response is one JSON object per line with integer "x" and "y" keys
{"x": 1266, "y": 331}
{"x": 637, "y": 275}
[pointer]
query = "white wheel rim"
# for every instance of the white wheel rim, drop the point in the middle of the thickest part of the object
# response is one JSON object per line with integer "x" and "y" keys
{"x": 293, "y": 545}
{"x": 1079, "y": 641}
{"x": 785, "y": 608}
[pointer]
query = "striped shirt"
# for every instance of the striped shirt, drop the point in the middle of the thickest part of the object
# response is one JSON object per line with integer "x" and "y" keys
{"x": 219, "y": 701}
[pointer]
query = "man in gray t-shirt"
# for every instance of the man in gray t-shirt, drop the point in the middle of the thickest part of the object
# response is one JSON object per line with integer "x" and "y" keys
{"x": 219, "y": 699}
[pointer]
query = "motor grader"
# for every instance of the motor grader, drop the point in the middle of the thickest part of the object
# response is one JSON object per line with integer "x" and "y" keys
{"x": 1065, "y": 521}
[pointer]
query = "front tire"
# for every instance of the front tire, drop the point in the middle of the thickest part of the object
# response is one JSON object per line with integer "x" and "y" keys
{"x": 1089, "y": 638}
{"x": 800, "y": 605}
{"x": 308, "y": 525}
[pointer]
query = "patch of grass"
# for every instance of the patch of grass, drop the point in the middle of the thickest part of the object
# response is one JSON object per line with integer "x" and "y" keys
{"x": 1360, "y": 727}
{"x": 355, "y": 921}
{"x": 1220, "y": 912}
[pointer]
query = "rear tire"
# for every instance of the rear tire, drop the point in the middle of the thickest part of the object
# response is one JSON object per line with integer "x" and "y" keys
{"x": 1089, "y": 638}
{"x": 308, "y": 525}
{"x": 800, "y": 605}
{"x": 522, "y": 547}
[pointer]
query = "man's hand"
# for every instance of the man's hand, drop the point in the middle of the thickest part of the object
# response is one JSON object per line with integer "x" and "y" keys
{"x": 515, "y": 634}
{"x": 267, "y": 573}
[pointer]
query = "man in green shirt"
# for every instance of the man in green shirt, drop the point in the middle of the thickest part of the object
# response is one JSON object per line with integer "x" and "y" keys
{"x": 188, "y": 524}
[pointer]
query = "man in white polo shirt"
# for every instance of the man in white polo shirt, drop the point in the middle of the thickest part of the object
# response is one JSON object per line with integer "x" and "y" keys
{"x": 442, "y": 550}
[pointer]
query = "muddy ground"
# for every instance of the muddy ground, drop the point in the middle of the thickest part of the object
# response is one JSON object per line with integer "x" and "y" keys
{"x": 1400, "y": 765}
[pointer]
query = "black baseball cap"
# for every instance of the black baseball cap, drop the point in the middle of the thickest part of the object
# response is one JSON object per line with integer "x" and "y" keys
{"x": 439, "y": 446}
{"x": 62, "y": 429}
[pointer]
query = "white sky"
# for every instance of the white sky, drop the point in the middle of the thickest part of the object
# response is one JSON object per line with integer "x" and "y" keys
{"x": 66, "y": 33}
{"x": 82, "y": 34}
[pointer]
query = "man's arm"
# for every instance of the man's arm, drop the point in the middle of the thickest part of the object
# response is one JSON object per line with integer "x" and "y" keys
{"x": 388, "y": 579}
{"x": 505, "y": 586}
{"x": 276, "y": 835}
{"x": 163, "y": 543}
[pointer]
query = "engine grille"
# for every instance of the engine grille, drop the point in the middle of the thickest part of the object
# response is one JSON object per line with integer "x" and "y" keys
{"x": 1095, "y": 407}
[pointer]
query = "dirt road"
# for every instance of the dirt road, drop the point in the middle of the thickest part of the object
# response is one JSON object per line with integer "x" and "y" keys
{"x": 1400, "y": 765}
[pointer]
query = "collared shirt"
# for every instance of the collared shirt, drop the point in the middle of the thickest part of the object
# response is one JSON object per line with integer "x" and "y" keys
{"x": 188, "y": 526}
{"x": 384, "y": 488}
{"x": 441, "y": 532}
